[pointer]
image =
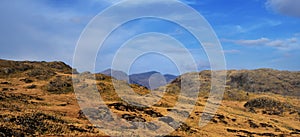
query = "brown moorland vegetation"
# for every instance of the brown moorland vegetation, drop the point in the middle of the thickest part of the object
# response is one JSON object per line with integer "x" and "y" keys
{"x": 37, "y": 99}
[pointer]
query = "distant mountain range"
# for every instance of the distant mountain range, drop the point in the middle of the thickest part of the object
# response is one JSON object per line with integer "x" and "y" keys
{"x": 151, "y": 80}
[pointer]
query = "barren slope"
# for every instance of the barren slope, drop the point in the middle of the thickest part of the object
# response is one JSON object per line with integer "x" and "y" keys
{"x": 37, "y": 98}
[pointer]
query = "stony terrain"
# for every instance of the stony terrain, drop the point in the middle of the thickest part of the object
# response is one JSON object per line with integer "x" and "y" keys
{"x": 37, "y": 99}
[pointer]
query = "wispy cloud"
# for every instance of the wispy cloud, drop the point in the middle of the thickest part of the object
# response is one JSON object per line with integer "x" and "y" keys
{"x": 37, "y": 30}
{"x": 282, "y": 44}
{"x": 158, "y": 44}
{"x": 254, "y": 42}
{"x": 192, "y": 2}
{"x": 285, "y": 7}
{"x": 232, "y": 51}
{"x": 49, "y": 29}
{"x": 256, "y": 25}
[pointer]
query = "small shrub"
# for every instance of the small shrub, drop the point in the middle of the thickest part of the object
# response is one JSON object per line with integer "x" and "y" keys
{"x": 41, "y": 74}
{"x": 270, "y": 106}
{"x": 236, "y": 95}
{"x": 60, "y": 85}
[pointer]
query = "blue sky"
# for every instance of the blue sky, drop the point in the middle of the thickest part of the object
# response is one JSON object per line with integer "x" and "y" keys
{"x": 253, "y": 33}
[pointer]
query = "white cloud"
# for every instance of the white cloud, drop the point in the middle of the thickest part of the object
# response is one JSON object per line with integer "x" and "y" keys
{"x": 252, "y": 42}
{"x": 232, "y": 51}
{"x": 285, "y": 7}
{"x": 34, "y": 30}
{"x": 262, "y": 23}
{"x": 192, "y": 2}
{"x": 154, "y": 43}
{"x": 282, "y": 44}
{"x": 255, "y": 42}
{"x": 135, "y": 9}
{"x": 276, "y": 43}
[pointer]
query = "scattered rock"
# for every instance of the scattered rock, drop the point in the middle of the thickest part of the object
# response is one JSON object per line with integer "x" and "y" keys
{"x": 207, "y": 116}
{"x": 252, "y": 110}
{"x": 252, "y": 124}
{"x": 126, "y": 107}
{"x": 174, "y": 124}
{"x": 265, "y": 125}
{"x": 26, "y": 80}
{"x": 184, "y": 127}
{"x": 231, "y": 130}
{"x": 41, "y": 74}
{"x": 272, "y": 112}
{"x": 63, "y": 104}
{"x": 5, "y": 89}
{"x": 277, "y": 130}
{"x": 31, "y": 86}
{"x": 166, "y": 119}
{"x": 221, "y": 118}
{"x": 75, "y": 128}
{"x": 151, "y": 126}
{"x": 224, "y": 122}
{"x": 121, "y": 106}
{"x": 152, "y": 113}
{"x": 81, "y": 115}
{"x": 60, "y": 67}
{"x": 214, "y": 120}
{"x": 6, "y": 132}
{"x": 7, "y": 71}
{"x": 179, "y": 112}
{"x": 97, "y": 114}
{"x": 133, "y": 118}
{"x": 233, "y": 119}
{"x": 295, "y": 133}
{"x": 265, "y": 102}
{"x": 60, "y": 85}
{"x": 30, "y": 124}
{"x": 276, "y": 121}
{"x": 270, "y": 105}
{"x": 248, "y": 133}
{"x": 266, "y": 134}
{"x": 293, "y": 112}
{"x": 5, "y": 82}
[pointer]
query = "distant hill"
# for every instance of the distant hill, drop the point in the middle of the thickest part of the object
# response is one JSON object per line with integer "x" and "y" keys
{"x": 151, "y": 80}
{"x": 119, "y": 75}
{"x": 169, "y": 77}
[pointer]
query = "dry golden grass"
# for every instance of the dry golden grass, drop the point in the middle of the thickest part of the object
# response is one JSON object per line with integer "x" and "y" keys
{"x": 58, "y": 114}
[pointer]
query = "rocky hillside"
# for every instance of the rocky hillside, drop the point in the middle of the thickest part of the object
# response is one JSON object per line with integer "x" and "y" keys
{"x": 39, "y": 70}
{"x": 37, "y": 99}
{"x": 266, "y": 80}
{"x": 254, "y": 81}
